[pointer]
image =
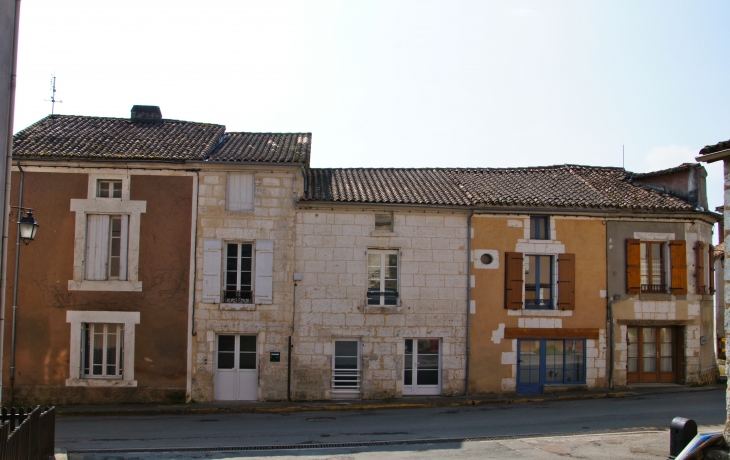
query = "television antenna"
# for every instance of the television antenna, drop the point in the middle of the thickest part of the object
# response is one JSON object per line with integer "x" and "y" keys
{"x": 53, "y": 100}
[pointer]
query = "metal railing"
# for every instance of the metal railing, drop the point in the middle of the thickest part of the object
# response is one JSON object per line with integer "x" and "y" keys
{"x": 346, "y": 383}
{"x": 374, "y": 297}
{"x": 27, "y": 434}
{"x": 661, "y": 288}
{"x": 237, "y": 296}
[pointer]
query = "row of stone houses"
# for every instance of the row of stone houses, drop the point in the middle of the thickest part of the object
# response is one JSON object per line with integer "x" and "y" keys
{"x": 177, "y": 261}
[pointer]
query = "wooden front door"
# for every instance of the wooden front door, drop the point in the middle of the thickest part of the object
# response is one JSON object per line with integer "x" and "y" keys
{"x": 652, "y": 354}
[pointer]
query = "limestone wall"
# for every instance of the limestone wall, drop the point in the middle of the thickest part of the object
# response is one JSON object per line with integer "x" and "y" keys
{"x": 331, "y": 253}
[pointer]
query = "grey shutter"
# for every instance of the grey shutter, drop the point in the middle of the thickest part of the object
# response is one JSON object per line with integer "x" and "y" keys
{"x": 240, "y": 191}
{"x": 212, "y": 270}
{"x": 124, "y": 243}
{"x": 97, "y": 247}
{"x": 264, "y": 284}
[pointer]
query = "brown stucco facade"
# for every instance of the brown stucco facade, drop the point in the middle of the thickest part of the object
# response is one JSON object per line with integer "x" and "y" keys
{"x": 49, "y": 294}
{"x": 495, "y": 330}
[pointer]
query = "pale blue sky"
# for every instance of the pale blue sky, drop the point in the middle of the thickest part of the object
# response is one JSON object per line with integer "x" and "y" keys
{"x": 402, "y": 83}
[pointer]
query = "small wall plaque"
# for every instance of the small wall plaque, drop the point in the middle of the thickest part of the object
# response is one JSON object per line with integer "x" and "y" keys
{"x": 275, "y": 357}
{"x": 703, "y": 340}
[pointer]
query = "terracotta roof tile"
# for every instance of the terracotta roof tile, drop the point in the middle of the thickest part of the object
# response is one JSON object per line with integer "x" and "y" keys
{"x": 71, "y": 136}
{"x": 265, "y": 147}
{"x": 715, "y": 148}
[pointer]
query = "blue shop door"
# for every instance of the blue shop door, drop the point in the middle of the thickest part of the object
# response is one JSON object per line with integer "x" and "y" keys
{"x": 530, "y": 375}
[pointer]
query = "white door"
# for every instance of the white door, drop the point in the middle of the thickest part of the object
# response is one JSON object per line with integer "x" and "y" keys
{"x": 236, "y": 377}
{"x": 422, "y": 367}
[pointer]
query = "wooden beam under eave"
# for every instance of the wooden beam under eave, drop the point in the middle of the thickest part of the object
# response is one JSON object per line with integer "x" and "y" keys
{"x": 541, "y": 333}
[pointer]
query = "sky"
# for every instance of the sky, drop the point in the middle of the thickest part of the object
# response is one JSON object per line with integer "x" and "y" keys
{"x": 402, "y": 83}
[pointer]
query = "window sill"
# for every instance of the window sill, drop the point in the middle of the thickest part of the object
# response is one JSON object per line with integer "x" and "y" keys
{"x": 381, "y": 309}
{"x": 548, "y": 313}
{"x": 558, "y": 387}
{"x": 107, "y": 285}
{"x": 383, "y": 233}
{"x": 100, "y": 383}
{"x": 238, "y": 306}
{"x": 654, "y": 296}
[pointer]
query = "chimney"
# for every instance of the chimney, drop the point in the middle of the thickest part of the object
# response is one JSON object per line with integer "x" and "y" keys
{"x": 146, "y": 114}
{"x": 687, "y": 181}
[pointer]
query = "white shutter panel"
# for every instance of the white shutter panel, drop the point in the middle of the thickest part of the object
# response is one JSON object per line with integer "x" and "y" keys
{"x": 264, "y": 284}
{"x": 97, "y": 247}
{"x": 124, "y": 244}
{"x": 240, "y": 191}
{"x": 212, "y": 270}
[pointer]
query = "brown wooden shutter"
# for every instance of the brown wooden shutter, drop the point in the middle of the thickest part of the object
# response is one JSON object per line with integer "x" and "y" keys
{"x": 513, "y": 271}
{"x": 633, "y": 266}
{"x": 678, "y": 256}
{"x": 566, "y": 281}
{"x": 700, "y": 265}
{"x": 712, "y": 268}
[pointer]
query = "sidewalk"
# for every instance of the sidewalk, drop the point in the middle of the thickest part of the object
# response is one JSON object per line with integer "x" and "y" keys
{"x": 335, "y": 405}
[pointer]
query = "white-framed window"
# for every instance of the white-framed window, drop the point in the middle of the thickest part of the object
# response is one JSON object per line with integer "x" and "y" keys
{"x": 240, "y": 192}
{"x": 106, "y": 247}
{"x": 384, "y": 222}
{"x": 382, "y": 277}
{"x": 106, "y": 188}
{"x": 245, "y": 266}
{"x": 346, "y": 371}
{"x": 102, "y": 348}
{"x": 239, "y": 273}
{"x": 107, "y": 236}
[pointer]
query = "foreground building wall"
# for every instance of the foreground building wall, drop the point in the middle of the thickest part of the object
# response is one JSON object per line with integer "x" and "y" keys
{"x": 336, "y": 250}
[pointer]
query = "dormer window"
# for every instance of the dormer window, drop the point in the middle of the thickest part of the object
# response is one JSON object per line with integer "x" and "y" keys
{"x": 384, "y": 222}
{"x": 539, "y": 228}
{"x": 109, "y": 189}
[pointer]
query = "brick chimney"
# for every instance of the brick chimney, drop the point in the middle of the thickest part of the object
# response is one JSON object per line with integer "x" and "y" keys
{"x": 146, "y": 114}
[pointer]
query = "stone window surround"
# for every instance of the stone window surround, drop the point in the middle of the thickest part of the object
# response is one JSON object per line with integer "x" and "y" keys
{"x": 114, "y": 206}
{"x": 77, "y": 318}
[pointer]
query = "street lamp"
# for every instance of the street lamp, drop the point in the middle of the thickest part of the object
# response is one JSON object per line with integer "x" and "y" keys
{"x": 27, "y": 226}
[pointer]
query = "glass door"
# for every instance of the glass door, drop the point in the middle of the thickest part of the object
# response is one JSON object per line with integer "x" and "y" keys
{"x": 236, "y": 377}
{"x": 422, "y": 367}
{"x": 529, "y": 368}
{"x": 650, "y": 354}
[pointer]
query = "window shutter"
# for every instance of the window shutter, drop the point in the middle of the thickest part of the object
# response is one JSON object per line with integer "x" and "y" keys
{"x": 700, "y": 264}
{"x": 97, "y": 247}
{"x": 263, "y": 287}
{"x": 240, "y": 192}
{"x": 513, "y": 270}
{"x": 124, "y": 243}
{"x": 212, "y": 270}
{"x": 711, "y": 258}
{"x": 633, "y": 266}
{"x": 566, "y": 281}
{"x": 678, "y": 256}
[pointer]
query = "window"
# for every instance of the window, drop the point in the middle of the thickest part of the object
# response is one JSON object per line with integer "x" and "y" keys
{"x": 109, "y": 189}
{"x": 382, "y": 277}
{"x": 106, "y": 247}
{"x": 539, "y": 228}
{"x": 239, "y": 270}
{"x": 240, "y": 192}
{"x": 384, "y": 222}
{"x": 542, "y": 362}
{"x": 248, "y": 272}
{"x": 346, "y": 369}
{"x": 103, "y": 349}
{"x": 538, "y": 281}
{"x": 652, "y": 267}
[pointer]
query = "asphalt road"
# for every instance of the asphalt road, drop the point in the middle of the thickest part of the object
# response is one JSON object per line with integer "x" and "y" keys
{"x": 221, "y": 430}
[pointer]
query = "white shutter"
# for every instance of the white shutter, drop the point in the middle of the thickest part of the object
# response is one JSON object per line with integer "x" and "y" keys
{"x": 240, "y": 191}
{"x": 124, "y": 244}
{"x": 97, "y": 247}
{"x": 263, "y": 287}
{"x": 212, "y": 270}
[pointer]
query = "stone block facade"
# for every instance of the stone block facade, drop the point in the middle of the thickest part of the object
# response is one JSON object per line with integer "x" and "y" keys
{"x": 331, "y": 300}
{"x": 272, "y": 218}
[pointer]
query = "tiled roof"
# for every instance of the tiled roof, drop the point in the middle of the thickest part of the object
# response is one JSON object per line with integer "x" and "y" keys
{"x": 566, "y": 186}
{"x": 719, "y": 251}
{"x": 715, "y": 148}
{"x": 266, "y": 147}
{"x": 676, "y": 169}
{"x": 70, "y": 136}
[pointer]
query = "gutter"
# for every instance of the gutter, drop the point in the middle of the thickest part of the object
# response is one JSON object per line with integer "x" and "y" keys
{"x": 468, "y": 301}
{"x": 712, "y": 157}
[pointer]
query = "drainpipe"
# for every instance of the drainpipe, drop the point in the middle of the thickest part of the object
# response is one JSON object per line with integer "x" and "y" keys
{"x": 288, "y": 353}
{"x": 468, "y": 299}
{"x": 609, "y": 319}
{"x": 15, "y": 287}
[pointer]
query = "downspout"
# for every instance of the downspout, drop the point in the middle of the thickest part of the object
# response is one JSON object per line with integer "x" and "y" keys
{"x": 609, "y": 319}
{"x": 6, "y": 201}
{"x": 468, "y": 300}
{"x": 191, "y": 286}
{"x": 15, "y": 287}
{"x": 288, "y": 352}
